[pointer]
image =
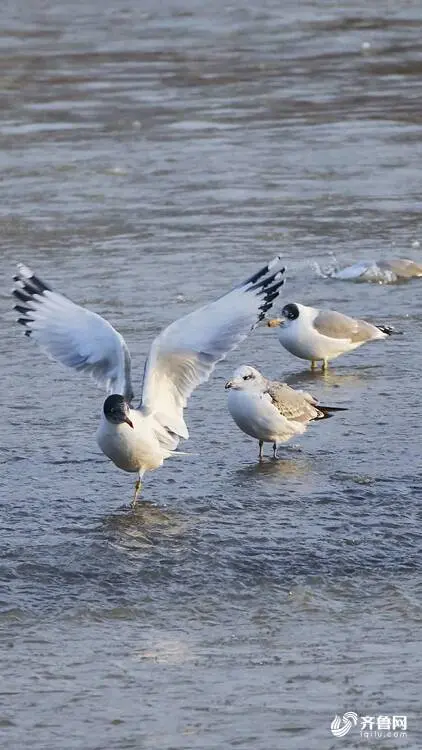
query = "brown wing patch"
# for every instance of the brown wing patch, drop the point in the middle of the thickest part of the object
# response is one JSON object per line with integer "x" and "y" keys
{"x": 292, "y": 404}
{"x": 402, "y": 267}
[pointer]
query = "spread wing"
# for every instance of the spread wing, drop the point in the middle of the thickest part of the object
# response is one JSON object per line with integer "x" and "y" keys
{"x": 185, "y": 354}
{"x": 71, "y": 334}
{"x": 296, "y": 405}
{"x": 339, "y": 326}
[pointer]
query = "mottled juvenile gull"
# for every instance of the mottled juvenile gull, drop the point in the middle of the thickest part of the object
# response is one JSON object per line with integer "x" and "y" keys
{"x": 270, "y": 411}
{"x": 322, "y": 335}
{"x": 181, "y": 357}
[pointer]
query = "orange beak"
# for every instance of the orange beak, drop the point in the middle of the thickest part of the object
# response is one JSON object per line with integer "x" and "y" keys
{"x": 274, "y": 322}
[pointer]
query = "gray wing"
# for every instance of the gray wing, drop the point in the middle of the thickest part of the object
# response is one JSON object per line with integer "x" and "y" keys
{"x": 297, "y": 405}
{"x": 339, "y": 326}
{"x": 72, "y": 335}
{"x": 185, "y": 354}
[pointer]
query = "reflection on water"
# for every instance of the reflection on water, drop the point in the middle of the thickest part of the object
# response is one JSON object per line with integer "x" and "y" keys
{"x": 166, "y": 651}
{"x": 146, "y": 524}
{"x": 336, "y": 377}
{"x": 280, "y": 467}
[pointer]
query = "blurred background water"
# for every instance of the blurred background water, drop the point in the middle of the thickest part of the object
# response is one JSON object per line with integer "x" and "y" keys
{"x": 152, "y": 155}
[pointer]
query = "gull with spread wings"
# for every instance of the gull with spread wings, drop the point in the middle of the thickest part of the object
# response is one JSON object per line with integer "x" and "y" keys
{"x": 138, "y": 439}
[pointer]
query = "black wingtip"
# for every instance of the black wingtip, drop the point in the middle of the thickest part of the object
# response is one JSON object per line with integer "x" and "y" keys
{"x": 268, "y": 288}
{"x": 390, "y": 330}
{"x": 21, "y": 295}
{"x": 258, "y": 275}
{"x": 24, "y": 321}
{"x": 39, "y": 286}
{"x": 20, "y": 309}
{"x": 329, "y": 411}
{"x": 29, "y": 282}
{"x": 27, "y": 288}
{"x": 264, "y": 270}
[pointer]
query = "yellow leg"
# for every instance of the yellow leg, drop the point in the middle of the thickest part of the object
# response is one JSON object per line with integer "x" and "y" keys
{"x": 138, "y": 486}
{"x": 324, "y": 367}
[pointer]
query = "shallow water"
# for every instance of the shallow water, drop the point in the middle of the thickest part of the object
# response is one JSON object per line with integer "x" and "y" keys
{"x": 151, "y": 157}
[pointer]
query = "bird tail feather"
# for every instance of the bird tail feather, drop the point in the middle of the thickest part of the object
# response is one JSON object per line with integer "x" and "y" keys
{"x": 328, "y": 411}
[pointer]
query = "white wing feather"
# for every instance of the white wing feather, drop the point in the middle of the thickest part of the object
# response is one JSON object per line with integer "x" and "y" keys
{"x": 185, "y": 354}
{"x": 73, "y": 335}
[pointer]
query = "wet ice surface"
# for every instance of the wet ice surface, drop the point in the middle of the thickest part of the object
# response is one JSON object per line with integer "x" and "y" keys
{"x": 150, "y": 159}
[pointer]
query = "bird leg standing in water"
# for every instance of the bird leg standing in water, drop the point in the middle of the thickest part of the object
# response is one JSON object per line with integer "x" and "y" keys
{"x": 324, "y": 365}
{"x": 261, "y": 453}
{"x": 138, "y": 486}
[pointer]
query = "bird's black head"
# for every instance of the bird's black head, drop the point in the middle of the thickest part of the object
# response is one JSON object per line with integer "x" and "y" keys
{"x": 116, "y": 409}
{"x": 290, "y": 311}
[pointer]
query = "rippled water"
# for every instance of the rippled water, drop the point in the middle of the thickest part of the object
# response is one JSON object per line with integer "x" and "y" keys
{"x": 151, "y": 156}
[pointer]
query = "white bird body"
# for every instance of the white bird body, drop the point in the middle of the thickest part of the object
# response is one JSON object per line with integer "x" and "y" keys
{"x": 322, "y": 335}
{"x": 136, "y": 449}
{"x": 256, "y": 415}
{"x": 180, "y": 358}
{"x": 300, "y": 338}
{"x": 269, "y": 411}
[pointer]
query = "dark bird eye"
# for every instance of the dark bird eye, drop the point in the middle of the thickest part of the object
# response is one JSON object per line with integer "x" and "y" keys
{"x": 247, "y": 377}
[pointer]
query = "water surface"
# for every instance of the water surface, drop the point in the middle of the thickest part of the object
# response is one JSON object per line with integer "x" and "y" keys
{"x": 151, "y": 157}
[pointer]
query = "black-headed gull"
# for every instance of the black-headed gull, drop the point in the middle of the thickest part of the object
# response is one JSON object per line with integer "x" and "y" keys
{"x": 270, "y": 411}
{"x": 322, "y": 335}
{"x": 181, "y": 357}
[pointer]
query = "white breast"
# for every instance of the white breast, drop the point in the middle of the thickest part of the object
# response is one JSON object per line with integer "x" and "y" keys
{"x": 255, "y": 415}
{"x": 136, "y": 449}
{"x": 301, "y": 339}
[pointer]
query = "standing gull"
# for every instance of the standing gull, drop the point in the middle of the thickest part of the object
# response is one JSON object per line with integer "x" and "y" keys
{"x": 270, "y": 411}
{"x": 321, "y": 335}
{"x": 180, "y": 358}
